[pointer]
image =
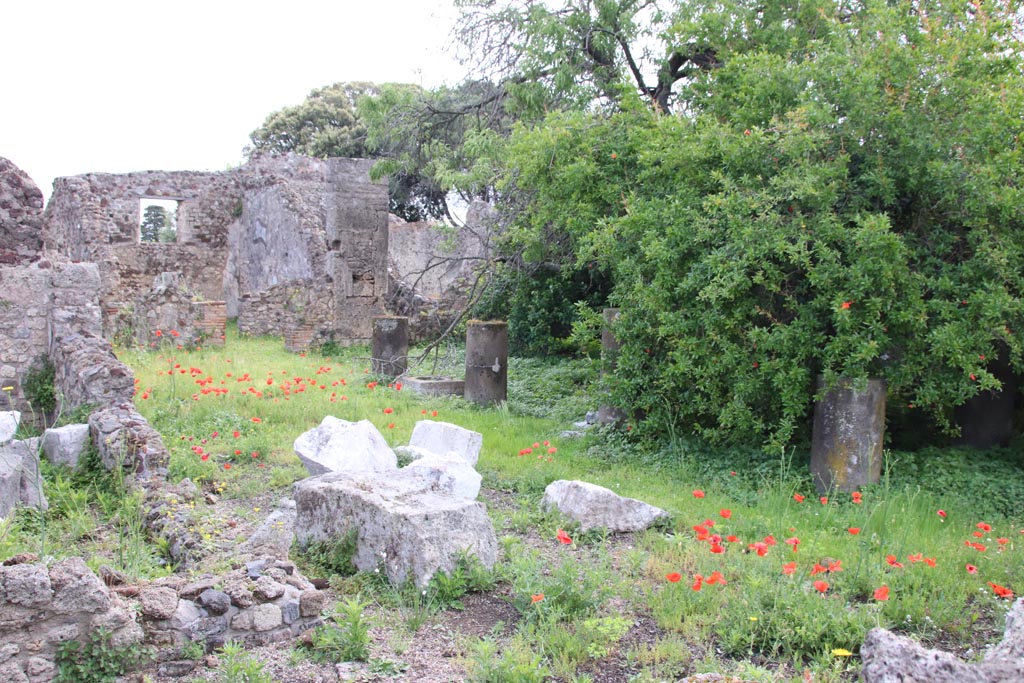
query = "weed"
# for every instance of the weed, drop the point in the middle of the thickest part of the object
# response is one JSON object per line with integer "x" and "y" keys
{"x": 238, "y": 666}
{"x": 517, "y": 663}
{"x": 347, "y": 640}
{"x": 332, "y": 557}
{"x": 95, "y": 659}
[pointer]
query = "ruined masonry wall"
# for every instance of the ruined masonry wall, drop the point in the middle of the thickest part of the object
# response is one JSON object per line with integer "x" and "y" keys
{"x": 42, "y": 607}
{"x": 95, "y": 217}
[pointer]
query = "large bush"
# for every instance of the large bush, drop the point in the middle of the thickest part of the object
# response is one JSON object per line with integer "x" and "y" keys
{"x": 841, "y": 196}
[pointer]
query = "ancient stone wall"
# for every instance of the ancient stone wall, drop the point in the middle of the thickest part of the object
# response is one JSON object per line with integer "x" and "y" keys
{"x": 21, "y": 209}
{"x": 42, "y": 607}
{"x": 24, "y": 330}
{"x": 276, "y": 221}
{"x": 95, "y": 217}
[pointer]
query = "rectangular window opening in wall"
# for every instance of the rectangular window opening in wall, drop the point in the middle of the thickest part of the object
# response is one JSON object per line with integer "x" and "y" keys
{"x": 159, "y": 220}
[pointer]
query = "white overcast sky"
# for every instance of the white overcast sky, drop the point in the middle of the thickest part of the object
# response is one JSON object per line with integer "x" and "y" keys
{"x": 131, "y": 85}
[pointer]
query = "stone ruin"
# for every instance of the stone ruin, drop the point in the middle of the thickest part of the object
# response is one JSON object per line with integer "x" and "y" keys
{"x": 285, "y": 243}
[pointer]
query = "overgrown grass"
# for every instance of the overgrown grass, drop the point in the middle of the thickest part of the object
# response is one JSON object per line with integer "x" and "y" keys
{"x": 755, "y": 574}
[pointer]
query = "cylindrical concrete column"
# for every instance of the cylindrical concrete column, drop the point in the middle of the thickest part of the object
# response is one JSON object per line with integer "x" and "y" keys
{"x": 846, "y": 444}
{"x": 607, "y": 414}
{"x": 390, "y": 345}
{"x": 486, "y": 361}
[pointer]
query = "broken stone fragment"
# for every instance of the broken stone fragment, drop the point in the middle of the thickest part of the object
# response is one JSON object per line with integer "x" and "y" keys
{"x": 342, "y": 446}
{"x": 597, "y": 507}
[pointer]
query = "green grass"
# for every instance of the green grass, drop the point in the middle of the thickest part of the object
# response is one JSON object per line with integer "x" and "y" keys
{"x": 763, "y": 621}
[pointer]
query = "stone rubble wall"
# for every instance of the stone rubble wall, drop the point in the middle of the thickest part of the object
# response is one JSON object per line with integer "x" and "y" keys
{"x": 264, "y": 601}
{"x": 95, "y": 217}
{"x": 270, "y": 222}
{"x": 21, "y": 210}
{"x": 289, "y": 305}
{"x": 24, "y": 330}
{"x": 42, "y": 607}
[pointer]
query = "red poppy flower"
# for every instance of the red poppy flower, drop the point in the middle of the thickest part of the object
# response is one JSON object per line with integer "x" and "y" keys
{"x": 917, "y": 557}
{"x": 794, "y": 542}
{"x": 159, "y": 333}
{"x": 971, "y": 569}
{"x": 846, "y": 305}
{"x": 835, "y": 566}
{"x": 236, "y": 434}
{"x": 930, "y": 561}
{"x": 857, "y": 497}
{"x": 789, "y": 568}
{"x": 535, "y": 598}
{"x": 388, "y": 411}
{"x": 977, "y": 534}
{"x": 760, "y": 548}
{"x": 552, "y": 450}
{"x": 882, "y": 594}
{"x": 717, "y": 549}
{"x": 854, "y": 530}
{"x": 732, "y": 539}
{"x": 823, "y": 500}
{"x": 227, "y": 466}
{"x": 257, "y": 420}
{"x": 769, "y": 540}
{"x": 563, "y": 537}
{"x": 697, "y": 493}
{"x": 817, "y": 569}
{"x": 725, "y": 513}
{"x": 698, "y": 581}
{"x": 716, "y": 577}
{"x": 941, "y": 513}
{"x": 891, "y": 559}
{"x": 984, "y": 527}
{"x": 798, "y": 498}
{"x": 1001, "y": 591}
{"x": 1002, "y": 541}
{"x": 674, "y": 577}
{"x": 391, "y": 425}
{"x": 433, "y": 413}
{"x": 821, "y": 586}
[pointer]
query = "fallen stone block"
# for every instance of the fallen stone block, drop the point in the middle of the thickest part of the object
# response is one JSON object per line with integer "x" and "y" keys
{"x": 9, "y": 421}
{"x": 446, "y": 474}
{"x": 595, "y": 507}
{"x": 444, "y": 438}
{"x": 343, "y": 446}
{"x": 65, "y": 445}
{"x": 890, "y": 658}
{"x": 409, "y": 532}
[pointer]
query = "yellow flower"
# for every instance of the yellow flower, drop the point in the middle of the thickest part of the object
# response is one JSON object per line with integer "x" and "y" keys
{"x": 753, "y": 618}
{"x": 842, "y": 652}
{"x": 8, "y": 388}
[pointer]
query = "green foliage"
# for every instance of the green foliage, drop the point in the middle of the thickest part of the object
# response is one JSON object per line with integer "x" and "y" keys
{"x": 40, "y": 388}
{"x": 347, "y": 640}
{"x": 325, "y": 125}
{"x": 548, "y": 388}
{"x": 332, "y": 557}
{"x": 837, "y": 200}
{"x": 96, "y": 660}
{"x": 516, "y": 663}
{"x": 238, "y": 666}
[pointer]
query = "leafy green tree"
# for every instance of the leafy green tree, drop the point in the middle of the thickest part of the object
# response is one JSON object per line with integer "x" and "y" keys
{"x": 325, "y": 125}
{"x": 839, "y": 195}
{"x": 154, "y": 218}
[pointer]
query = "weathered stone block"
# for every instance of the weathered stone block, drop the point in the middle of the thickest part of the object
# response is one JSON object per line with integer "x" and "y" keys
{"x": 414, "y": 533}
{"x": 444, "y": 438}
{"x": 596, "y": 507}
{"x": 27, "y": 585}
{"x": 65, "y": 445}
{"x": 342, "y": 446}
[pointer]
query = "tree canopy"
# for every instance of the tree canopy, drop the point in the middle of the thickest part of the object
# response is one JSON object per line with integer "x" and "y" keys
{"x": 838, "y": 195}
